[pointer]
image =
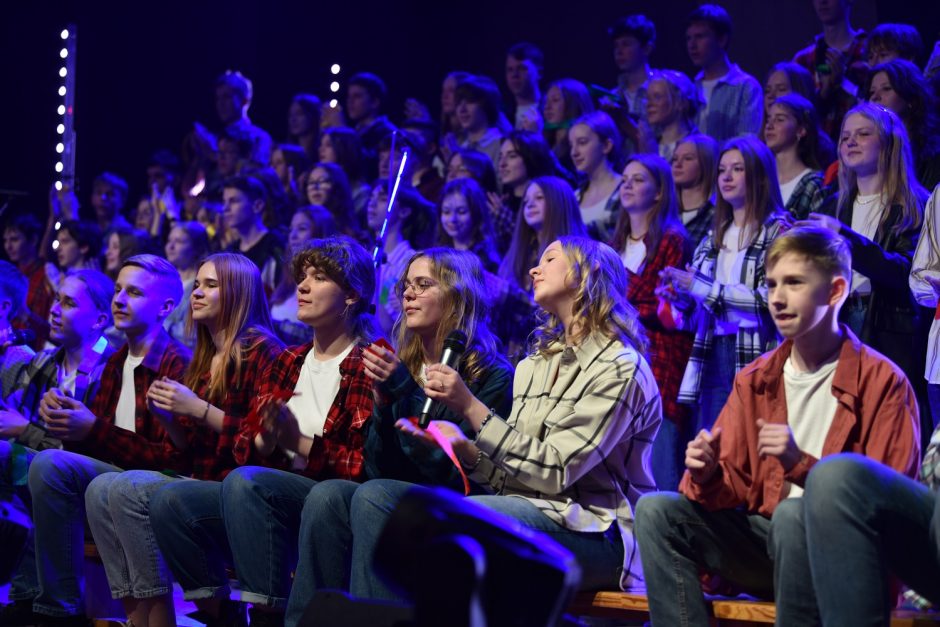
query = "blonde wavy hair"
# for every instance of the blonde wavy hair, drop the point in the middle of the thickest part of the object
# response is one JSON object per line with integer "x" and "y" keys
{"x": 895, "y": 162}
{"x": 599, "y": 285}
{"x": 459, "y": 275}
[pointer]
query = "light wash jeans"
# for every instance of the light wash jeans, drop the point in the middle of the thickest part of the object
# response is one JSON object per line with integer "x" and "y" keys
{"x": 118, "y": 506}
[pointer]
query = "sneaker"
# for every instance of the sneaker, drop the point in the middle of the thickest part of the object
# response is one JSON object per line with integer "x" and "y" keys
{"x": 18, "y": 614}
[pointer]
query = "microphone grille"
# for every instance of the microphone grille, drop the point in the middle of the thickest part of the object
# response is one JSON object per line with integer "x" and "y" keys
{"x": 456, "y": 341}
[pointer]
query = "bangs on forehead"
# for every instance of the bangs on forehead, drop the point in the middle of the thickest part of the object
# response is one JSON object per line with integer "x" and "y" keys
{"x": 320, "y": 260}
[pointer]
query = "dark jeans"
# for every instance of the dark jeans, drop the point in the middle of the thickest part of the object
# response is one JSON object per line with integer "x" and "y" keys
{"x": 766, "y": 558}
{"x": 864, "y": 521}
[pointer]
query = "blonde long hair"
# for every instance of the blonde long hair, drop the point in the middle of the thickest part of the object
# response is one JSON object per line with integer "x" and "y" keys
{"x": 466, "y": 308}
{"x": 246, "y": 319}
{"x": 895, "y": 162}
{"x": 600, "y": 299}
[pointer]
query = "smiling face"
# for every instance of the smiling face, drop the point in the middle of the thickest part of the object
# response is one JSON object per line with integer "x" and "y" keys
{"x": 551, "y": 285}
{"x": 74, "y": 320}
{"x": 321, "y": 301}
{"x": 859, "y": 145}
{"x": 800, "y": 294}
{"x": 533, "y": 207}
{"x": 732, "y": 179}
{"x": 140, "y": 301}
{"x": 423, "y": 312}
{"x": 639, "y": 192}
{"x": 781, "y": 130}
{"x": 456, "y": 219}
{"x": 206, "y": 297}
{"x": 588, "y": 152}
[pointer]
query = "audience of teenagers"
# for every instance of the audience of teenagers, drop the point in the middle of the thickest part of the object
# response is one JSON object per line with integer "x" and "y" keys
{"x": 742, "y": 309}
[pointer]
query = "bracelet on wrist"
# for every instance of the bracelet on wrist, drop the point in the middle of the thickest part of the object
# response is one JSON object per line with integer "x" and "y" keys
{"x": 476, "y": 462}
{"x": 489, "y": 414}
{"x": 205, "y": 414}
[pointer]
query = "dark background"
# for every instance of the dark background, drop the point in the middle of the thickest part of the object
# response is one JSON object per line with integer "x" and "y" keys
{"x": 145, "y": 69}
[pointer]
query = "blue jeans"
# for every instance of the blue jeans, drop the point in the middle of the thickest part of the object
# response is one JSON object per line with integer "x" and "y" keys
{"x": 118, "y": 506}
{"x": 25, "y": 582}
{"x": 326, "y": 546}
{"x": 261, "y": 510}
{"x": 186, "y": 517}
{"x": 717, "y": 381}
{"x": 345, "y": 522}
{"x": 864, "y": 520}
{"x": 57, "y": 483}
{"x": 766, "y": 558}
{"x": 668, "y": 455}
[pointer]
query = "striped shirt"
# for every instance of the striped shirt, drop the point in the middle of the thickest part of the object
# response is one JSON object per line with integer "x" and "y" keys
{"x": 578, "y": 440}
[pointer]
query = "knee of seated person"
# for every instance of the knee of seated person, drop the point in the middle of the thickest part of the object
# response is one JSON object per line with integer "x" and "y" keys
{"x": 654, "y": 509}
{"x": 127, "y": 485}
{"x": 47, "y": 467}
{"x": 787, "y": 516}
{"x": 167, "y": 502}
{"x": 835, "y": 474}
{"x": 377, "y": 494}
{"x": 99, "y": 489}
{"x": 246, "y": 481}
{"x": 330, "y": 494}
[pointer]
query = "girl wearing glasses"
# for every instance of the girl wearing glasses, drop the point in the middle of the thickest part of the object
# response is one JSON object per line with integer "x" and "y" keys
{"x": 442, "y": 290}
{"x": 570, "y": 458}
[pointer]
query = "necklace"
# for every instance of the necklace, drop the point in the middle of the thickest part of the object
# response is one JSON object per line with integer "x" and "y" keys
{"x": 869, "y": 200}
{"x": 637, "y": 239}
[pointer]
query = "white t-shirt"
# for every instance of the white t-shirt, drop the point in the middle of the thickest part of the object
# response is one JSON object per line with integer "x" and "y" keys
{"x": 594, "y": 213}
{"x": 125, "y": 416}
{"x": 315, "y": 391}
{"x": 708, "y": 86}
{"x": 786, "y": 189}
{"x": 633, "y": 255}
{"x": 811, "y": 406}
{"x": 866, "y": 213}
{"x": 728, "y": 272}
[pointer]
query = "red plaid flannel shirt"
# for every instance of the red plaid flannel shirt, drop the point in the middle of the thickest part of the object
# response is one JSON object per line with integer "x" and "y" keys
{"x": 669, "y": 349}
{"x": 339, "y": 452}
{"x": 39, "y": 299}
{"x": 148, "y": 447}
{"x": 210, "y": 452}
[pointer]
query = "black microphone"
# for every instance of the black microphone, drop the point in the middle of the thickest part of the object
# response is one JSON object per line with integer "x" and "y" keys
{"x": 20, "y": 337}
{"x": 454, "y": 346}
